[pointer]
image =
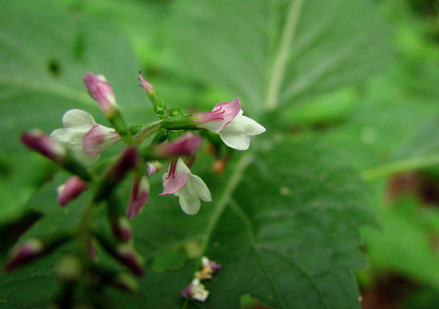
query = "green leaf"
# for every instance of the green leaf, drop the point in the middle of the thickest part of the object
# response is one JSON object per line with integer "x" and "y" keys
{"x": 283, "y": 224}
{"x": 275, "y": 53}
{"x": 283, "y": 227}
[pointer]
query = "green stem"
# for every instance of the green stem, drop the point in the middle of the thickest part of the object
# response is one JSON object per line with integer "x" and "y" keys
{"x": 281, "y": 59}
{"x": 400, "y": 166}
{"x": 146, "y": 132}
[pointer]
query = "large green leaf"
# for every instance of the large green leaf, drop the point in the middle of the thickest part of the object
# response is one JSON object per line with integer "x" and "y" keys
{"x": 284, "y": 225}
{"x": 273, "y": 53}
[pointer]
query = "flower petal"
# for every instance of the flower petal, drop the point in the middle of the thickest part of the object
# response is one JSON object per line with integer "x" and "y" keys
{"x": 190, "y": 205}
{"x": 234, "y": 139}
{"x": 221, "y": 115}
{"x": 190, "y": 194}
{"x": 78, "y": 118}
{"x": 176, "y": 178}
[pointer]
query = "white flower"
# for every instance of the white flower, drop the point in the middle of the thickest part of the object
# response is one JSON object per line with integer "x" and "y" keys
{"x": 226, "y": 119}
{"x": 236, "y": 133}
{"x": 188, "y": 187}
{"x": 78, "y": 124}
{"x": 195, "y": 290}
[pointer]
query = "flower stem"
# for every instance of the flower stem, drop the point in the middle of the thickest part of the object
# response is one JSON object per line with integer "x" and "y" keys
{"x": 146, "y": 132}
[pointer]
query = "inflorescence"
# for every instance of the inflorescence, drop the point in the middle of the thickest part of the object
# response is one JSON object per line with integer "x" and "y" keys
{"x": 174, "y": 137}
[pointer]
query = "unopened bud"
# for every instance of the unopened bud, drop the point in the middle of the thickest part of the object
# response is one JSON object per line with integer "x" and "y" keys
{"x": 28, "y": 251}
{"x": 139, "y": 196}
{"x": 121, "y": 228}
{"x": 37, "y": 140}
{"x": 101, "y": 91}
{"x": 157, "y": 102}
{"x": 126, "y": 254}
{"x": 48, "y": 147}
{"x": 71, "y": 190}
{"x": 186, "y": 145}
{"x": 123, "y": 252}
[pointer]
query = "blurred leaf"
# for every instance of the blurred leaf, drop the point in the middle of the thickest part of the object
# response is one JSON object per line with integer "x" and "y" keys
{"x": 405, "y": 233}
{"x": 275, "y": 53}
{"x": 43, "y": 67}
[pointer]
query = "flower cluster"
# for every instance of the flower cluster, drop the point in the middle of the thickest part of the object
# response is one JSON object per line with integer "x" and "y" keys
{"x": 78, "y": 146}
{"x": 86, "y": 140}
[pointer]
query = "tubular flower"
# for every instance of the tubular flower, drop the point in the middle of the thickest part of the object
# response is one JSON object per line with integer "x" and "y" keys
{"x": 227, "y": 120}
{"x": 83, "y": 136}
{"x": 188, "y": 187}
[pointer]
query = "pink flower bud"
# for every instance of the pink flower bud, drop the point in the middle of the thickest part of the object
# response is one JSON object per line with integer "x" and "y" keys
{"x": 71, "y": 190}
{"x": 25, "y": 253}
{"x": 37, "y": 140}
{"x": 126, "y": 254}
{"x": 186, "y": 145}
{"x": 126, "y": 162}
{"x": 154, "y": 167}
{"x": 139, "y": 196}
{"x": 150, "y": 89}
{"x": 101, "y": 91}
{"x": 122, "y": 228}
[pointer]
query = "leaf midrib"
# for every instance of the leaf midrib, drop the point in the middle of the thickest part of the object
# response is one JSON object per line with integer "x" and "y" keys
{"x": 224, "y": 200}
{"x": 277, "y": 75}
